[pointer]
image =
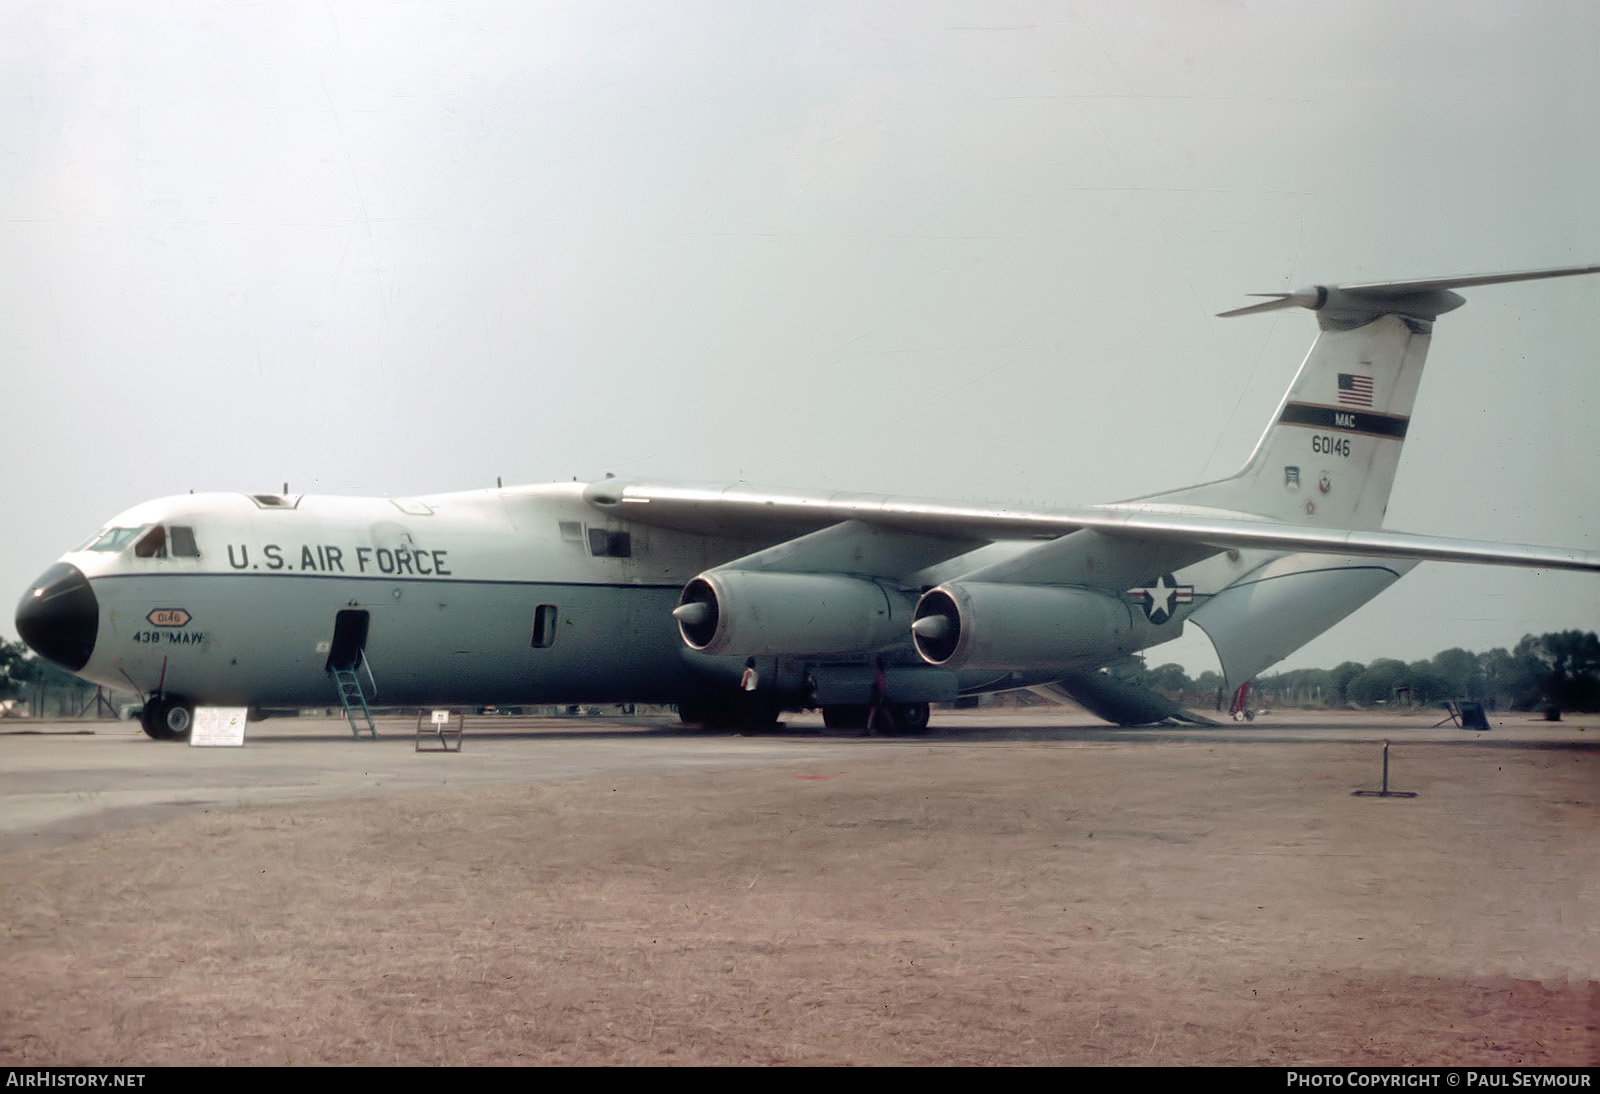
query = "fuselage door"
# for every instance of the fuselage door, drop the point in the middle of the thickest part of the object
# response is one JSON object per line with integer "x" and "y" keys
{"x": 349, "y": 639}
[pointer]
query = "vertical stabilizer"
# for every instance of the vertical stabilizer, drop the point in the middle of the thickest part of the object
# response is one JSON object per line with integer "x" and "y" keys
{"x": 1327, "y": 458}
{"x": 1329, "y": 455}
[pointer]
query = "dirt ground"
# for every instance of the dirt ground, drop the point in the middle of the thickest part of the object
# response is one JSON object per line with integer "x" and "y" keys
{"x": 1210, "y": 898}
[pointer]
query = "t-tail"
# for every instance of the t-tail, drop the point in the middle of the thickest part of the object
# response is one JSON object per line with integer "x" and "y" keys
{"x": 1329, "y": 455}
{"x": 1327, "y": 459}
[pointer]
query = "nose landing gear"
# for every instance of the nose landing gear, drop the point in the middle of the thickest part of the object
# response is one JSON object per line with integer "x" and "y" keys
{"x": 167, "y": 718}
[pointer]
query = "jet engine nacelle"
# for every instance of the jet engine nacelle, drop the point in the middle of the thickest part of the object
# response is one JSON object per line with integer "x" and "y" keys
{"x": 977, "y": 625}
{"x": 758, "y": 613}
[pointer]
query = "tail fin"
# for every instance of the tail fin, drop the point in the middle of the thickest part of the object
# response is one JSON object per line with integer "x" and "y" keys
{"x": 1329, "y": 455}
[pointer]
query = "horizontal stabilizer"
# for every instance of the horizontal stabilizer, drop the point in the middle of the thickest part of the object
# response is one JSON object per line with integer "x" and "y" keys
{"x": 1427, "y": 298}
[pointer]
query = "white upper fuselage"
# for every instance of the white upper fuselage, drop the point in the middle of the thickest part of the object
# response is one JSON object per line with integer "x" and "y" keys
{"x": 514, "y": 534}
{"x": 454, "y": 581}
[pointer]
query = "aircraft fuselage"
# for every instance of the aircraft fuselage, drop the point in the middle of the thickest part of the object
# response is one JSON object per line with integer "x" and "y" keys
{"x": 448, "y": 594}
{"x": 514, "y": 596}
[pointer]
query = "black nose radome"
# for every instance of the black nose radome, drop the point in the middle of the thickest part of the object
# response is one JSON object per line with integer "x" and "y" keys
{"x": 59, "y": 616}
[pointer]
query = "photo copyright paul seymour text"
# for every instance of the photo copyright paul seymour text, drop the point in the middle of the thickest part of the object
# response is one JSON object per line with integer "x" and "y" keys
{"x": 1455, "y": 1078}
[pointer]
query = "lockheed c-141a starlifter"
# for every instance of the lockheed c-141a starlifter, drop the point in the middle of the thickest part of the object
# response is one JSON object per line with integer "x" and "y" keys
{"x": 739, "y": 603}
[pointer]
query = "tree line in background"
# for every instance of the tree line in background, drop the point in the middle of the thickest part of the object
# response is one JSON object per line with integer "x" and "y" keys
{"x": 1560, "y": 669}
{"x": 40, "y": 688}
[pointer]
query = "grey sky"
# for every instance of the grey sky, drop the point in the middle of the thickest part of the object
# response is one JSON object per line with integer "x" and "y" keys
{"x": 966, "y": 250}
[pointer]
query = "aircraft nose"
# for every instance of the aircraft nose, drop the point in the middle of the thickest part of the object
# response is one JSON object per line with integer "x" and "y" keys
{"x": 59, "y": 617}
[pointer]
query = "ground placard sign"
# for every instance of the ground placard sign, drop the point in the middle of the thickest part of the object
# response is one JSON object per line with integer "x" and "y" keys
{"x": 217, "y": 727}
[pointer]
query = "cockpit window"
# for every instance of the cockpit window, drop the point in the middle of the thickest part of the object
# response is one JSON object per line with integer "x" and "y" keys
{"x": 153, "y": 544}
{"x": 181, "y": 538}
{"x": 114, "y": 539}
{"x": 176, "y": 540}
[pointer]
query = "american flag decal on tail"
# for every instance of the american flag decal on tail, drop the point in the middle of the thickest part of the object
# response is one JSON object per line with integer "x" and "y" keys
{"x": 1355, "y": 390}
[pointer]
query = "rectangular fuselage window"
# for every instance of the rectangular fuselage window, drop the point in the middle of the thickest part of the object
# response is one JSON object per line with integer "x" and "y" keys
{"x": 607, "y": 544}
{"x": 544, "y": 626}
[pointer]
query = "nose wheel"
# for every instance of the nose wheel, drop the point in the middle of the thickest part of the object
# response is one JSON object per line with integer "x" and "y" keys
{"x": 167, "y": 718}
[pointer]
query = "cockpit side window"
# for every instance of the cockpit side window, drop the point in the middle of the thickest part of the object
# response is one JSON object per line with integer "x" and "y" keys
{"x": 153, "y": 544}
{"x": 181, "y": 539}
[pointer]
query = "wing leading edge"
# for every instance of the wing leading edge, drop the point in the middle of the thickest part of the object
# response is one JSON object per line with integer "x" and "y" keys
{"x": 754, "y": 512}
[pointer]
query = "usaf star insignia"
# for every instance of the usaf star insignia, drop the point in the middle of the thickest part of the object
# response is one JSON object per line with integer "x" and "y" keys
{"x": 1161, "y": 597}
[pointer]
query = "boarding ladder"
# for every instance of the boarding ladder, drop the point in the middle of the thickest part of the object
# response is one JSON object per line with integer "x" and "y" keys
{"x": 354, "y": 700}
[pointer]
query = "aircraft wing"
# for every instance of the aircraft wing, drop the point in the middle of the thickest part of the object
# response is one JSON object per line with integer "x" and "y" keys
{"x": 775, "y": 514}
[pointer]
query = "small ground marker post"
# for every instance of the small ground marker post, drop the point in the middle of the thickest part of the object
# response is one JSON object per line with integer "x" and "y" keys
{"x": 1385, "y": 792}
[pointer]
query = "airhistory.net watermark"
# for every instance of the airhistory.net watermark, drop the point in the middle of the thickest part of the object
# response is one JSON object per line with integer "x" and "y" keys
{"x": 48, "y": 1078}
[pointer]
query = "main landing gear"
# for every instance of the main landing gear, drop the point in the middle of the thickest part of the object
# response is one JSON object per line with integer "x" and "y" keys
{"x": 167, "y": 718}
{"x": 743, "y": 712}
{"x": 893, "y": 718}
{"x": 749, "y": 715}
